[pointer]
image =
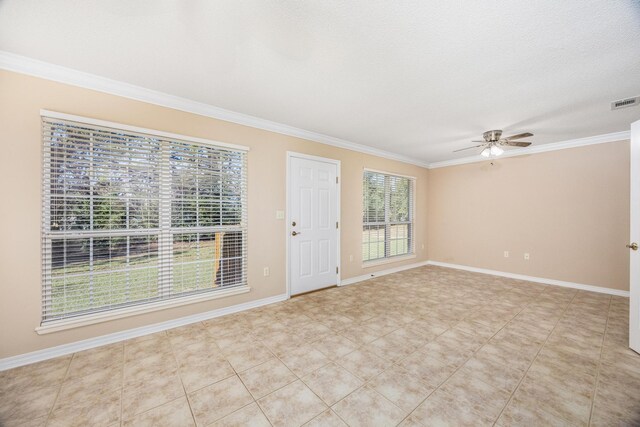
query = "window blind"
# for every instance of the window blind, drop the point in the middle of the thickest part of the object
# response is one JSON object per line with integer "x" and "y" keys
{"x": 131, "y": 218}
{"x": 387, "y": 216}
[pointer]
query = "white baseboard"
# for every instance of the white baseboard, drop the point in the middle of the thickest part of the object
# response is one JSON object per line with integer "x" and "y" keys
{"x": 61, "y": 350}
{"x": 553, "y": 282}
{"x": 379, "y": 273}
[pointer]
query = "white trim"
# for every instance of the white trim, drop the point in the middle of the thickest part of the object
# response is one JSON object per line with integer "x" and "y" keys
{"x": 365, "y": 169}
{"x": 61, "y": 350}
{"x": 379, "y": 273}
{"x": 312, "y": 157}
{"x": 137, "y": 129}
{"x": 105, "y": 316}
{"x": 572, "y": 143}
{"x": 24, "y": 65}
{"x": 338, "y": 164}
{"x": 383, "y": 261}
{"x": 634, "y": 236}
{"x": 553, "y": 282}
{"x": 414, "y": 204}
{"x": 287, "y": 219}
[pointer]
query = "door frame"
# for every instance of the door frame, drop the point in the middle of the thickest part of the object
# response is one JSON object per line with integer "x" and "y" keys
{"x": 287, "y": 229}
{"x": 634, "y": 236}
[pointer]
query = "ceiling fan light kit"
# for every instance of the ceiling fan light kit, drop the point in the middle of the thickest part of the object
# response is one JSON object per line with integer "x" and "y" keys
{"x": 496, "y": 151}
{"x": 492, "y": 145}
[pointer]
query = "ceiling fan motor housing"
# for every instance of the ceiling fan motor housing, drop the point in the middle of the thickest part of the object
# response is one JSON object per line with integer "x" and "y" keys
{"x": 492, "y": 135}
{"x": 493, "y": 142}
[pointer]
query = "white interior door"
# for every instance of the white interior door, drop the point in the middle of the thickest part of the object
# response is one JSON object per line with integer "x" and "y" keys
{"x": 313, "y": 223}
{"x": 634, "y": 264}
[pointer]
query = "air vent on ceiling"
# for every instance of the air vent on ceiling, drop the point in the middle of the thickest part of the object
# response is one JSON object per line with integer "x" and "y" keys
{"x": 624, "y": 103}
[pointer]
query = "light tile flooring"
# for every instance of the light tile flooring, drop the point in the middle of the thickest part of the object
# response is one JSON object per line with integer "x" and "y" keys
{"x": 428, "y": 346}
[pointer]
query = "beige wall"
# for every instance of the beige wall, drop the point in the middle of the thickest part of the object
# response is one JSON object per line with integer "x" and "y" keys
{"x": 22, "y": 97}
{"x": 569, "y": 209}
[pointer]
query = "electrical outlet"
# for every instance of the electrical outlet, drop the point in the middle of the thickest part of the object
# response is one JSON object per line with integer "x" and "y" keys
{"x": 423, "y": 246}
{"x": 506, "y": 254}
{"x": 265, "y": 272}
{"x": 350, "y": 258}
{"x": 526, "y": 256}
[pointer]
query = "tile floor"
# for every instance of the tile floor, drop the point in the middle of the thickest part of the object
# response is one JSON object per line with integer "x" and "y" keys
{"x": 429, "y": 346}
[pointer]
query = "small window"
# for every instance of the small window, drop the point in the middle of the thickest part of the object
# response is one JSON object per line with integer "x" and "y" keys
{"x": 387, "y": 216}
{"x": 135, "y": 218}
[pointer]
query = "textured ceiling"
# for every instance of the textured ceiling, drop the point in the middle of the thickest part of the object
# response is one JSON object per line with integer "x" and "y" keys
{"x": 417, "y": 78}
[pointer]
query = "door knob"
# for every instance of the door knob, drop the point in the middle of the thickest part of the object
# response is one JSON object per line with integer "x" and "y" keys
{"x": 633, "y": 246}
{"x": 295, "y": 233}
{"x": 293, "y": 223}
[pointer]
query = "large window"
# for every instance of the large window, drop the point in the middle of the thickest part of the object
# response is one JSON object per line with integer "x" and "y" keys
{"x": 133, "y": 218}
{"x": 387, "y": 216}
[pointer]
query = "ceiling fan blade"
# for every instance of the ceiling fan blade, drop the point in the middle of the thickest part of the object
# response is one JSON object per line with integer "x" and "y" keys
{"x": 468, "y": 148}
{"x": 517, "y": 143}
{"x": 518, "y": 136}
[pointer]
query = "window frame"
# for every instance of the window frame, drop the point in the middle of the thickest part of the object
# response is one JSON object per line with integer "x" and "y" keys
{"x": 163, "y": 230}
{"x": 387, "y": 224}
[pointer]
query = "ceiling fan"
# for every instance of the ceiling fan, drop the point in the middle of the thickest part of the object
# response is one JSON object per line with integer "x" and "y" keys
{"x": 493, "y": 143}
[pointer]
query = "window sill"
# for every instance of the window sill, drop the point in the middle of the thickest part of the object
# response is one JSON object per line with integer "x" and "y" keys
{"x": 64, "y": 324}
{"x": 383, "y": 261}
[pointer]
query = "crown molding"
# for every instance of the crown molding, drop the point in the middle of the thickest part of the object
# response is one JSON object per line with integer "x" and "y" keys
{"x": 24, "y": 65}
{"x": 572, "y": 143}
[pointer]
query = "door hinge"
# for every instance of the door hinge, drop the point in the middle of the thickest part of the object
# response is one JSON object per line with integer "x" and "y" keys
{"x": 336, "y": 224}
{"x": 336, "y": 179}
{"x": 337, "y": 269}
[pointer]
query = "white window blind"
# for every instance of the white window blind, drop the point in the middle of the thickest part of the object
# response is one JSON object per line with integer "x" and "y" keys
{"x": 132, "y": 218}
{"x": 387, "y": 216}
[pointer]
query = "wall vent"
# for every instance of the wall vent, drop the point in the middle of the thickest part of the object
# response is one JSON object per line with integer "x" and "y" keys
{"x": 624, "y": 103}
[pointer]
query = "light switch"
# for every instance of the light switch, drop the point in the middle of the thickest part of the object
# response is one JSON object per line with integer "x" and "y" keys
{"x": 279, "y": 214}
